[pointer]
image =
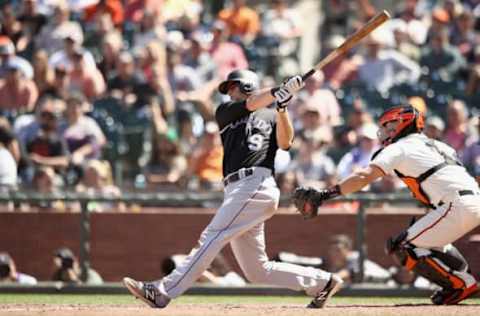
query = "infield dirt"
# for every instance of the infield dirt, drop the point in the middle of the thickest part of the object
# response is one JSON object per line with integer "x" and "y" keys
{"x": 236, "y": 310}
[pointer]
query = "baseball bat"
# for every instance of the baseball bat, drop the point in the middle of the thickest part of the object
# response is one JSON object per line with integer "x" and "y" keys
{"x": 351, "y": 41}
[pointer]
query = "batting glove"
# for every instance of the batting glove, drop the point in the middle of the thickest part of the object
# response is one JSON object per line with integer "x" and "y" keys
{"x": 293, "y": 84}
{"x": 282, "y": 96}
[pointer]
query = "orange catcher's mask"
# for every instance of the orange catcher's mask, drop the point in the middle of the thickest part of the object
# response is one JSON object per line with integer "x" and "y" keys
{"x": 409, "y": 120}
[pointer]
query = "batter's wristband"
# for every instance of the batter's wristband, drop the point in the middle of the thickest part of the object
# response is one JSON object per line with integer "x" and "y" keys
{"x": 273, "y": 90}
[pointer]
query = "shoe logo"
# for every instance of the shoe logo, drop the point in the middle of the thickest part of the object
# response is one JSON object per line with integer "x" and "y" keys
{"x": 322, "y": 295}
{"x": 150, "y": 295}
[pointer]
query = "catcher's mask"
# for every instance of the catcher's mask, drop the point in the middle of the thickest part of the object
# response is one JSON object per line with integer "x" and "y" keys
{"x": 409, "y": 119}
{"x": 247, "y": 81}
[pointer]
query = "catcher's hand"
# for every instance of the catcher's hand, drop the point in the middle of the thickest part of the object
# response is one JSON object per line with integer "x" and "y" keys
{"x": 307, "y": 201}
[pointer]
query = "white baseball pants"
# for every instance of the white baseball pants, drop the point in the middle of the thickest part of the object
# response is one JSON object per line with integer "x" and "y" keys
{"x": 240, "y": 220}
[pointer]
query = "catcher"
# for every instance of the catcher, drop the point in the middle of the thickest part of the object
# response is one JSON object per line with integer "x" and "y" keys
{"x": 436, "y": 178}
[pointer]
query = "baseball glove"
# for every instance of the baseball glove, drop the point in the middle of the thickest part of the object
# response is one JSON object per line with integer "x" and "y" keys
{"x": 307, "y": 201}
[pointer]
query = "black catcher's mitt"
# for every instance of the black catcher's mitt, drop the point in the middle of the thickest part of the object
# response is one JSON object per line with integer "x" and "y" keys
{"x": 307, "y": 201}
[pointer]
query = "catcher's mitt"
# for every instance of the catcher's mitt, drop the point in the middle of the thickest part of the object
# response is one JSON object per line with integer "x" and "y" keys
{"x": 307, "y": 201}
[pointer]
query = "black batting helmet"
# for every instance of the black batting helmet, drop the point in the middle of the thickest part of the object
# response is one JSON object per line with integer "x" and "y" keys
{"x": 247, "y": 80}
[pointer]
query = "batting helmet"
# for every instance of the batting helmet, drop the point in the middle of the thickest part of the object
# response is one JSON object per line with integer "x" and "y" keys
{"x": 246, "y": 79}
{"x": 409, "y": 118}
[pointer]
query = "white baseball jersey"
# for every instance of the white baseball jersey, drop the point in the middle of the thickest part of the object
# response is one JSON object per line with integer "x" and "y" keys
{"x": 413, "y": 155}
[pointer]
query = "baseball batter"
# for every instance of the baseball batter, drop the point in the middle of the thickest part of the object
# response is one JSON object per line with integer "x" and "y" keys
{"x": 251, "y": 134}
{"x": 436, "y": 178}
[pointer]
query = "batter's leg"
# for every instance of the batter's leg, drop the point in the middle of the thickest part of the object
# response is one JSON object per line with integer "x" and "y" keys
{"x": 249, "y": 250}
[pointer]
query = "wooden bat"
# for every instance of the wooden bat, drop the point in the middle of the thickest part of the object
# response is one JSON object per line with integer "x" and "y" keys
{"x": 351, "y": 41}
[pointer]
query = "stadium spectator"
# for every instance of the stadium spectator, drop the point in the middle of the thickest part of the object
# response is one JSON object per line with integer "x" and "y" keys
{"x": 41, "y": 138}
{"x": 316, "y": 94}
{"x": 67, "y": 269}
{"x": 340, "y": 258}
{"x": 136, "y": 9}
{"x": 167, "y": 164}
{"x": 59, "y": 27}
{"x": 110, "y": 52}
{"x": 205, "y": 161}
{"x": 464, "y": 36}
{"x": 82, "y": 134}
{"x": 287, "y": 180}
{"x": 65, "y": 57}
{"x": 227, "y": 55}
{"x": 311, "y": 165}
{"x": 456, "y": 132}
{"x": 85, "y": 79}
{"x": 98, "y": 180}
{"x": 441, "y": 59}
{"x": 114, "y": 8}
{"x": 360, "y": 155}
{"x": 46, "y": 182}
{"x": 384, "y": 68}
{"x": 10, "y": 274}
{"x": 470, "y": 156}
{"x": 9, "y": 139}
{"x": 150, "y": 29}
{"x": 181, "y": 76}
{"x": 12, "y": 28}
{"x": 17, "y": 94}
{"x": 61, "y": 84}
{"x": 198, "y": 57}
{"x": 434, "y": 127}
{"x": 31, "y": 18}
{"x": 43, "y": 74}
{"x": 8, "y": 165}
{"x": 243, "y": 22}
{"x": 312, "y": 121}
{"x": 9, "y": 59}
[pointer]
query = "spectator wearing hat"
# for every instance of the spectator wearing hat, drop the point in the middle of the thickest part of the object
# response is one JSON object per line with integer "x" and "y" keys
{"x": 440, "y": 58}
{"x": 8, "y": 59}
{"x": 312, "y": 121}
{"x": 17, "y": 94}
{"x": 10, "y": 274}
{"x": 360, "y": 155}
{"x": 434, "y": 127}
{"x": 242, "y": 21}
{"x": 440, "y": 22}
{"x": 53, "y": 35}
{"x": 67, "y": 269}
{"x": 109, "y": 53}
{"x": 66, "y": 56}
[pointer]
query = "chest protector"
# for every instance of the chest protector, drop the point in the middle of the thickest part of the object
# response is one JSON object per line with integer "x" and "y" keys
{"x": 415, "y": 183}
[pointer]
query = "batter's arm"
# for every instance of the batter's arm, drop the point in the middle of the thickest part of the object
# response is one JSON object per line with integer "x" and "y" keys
{"x": 260, "y": 99}
{"x": 284, "y": 131}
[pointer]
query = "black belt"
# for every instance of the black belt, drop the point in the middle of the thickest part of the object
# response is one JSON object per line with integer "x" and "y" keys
{"x": 467, "y": 192}
{"x": 237, "y": 175}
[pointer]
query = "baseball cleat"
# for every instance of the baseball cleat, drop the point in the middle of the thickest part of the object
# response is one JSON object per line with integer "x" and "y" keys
{"x": 453, "y": 297}
{"x": 332, "y": 287}
{"x": 147, "y": 292}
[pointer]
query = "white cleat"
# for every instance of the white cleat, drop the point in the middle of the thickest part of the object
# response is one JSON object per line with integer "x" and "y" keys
{"x": 332, "y": 287}
{"x": 147, "y": 292}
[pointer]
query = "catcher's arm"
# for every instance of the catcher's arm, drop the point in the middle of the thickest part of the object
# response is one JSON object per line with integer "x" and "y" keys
{"x": 307, "y": 200}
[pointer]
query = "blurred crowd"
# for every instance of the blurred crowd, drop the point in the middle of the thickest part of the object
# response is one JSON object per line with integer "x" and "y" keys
{"x": 100, "y": 96}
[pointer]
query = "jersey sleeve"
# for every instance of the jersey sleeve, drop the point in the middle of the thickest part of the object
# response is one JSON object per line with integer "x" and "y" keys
{"x": 388, "y": 159}
{"x": 230, "y": 112}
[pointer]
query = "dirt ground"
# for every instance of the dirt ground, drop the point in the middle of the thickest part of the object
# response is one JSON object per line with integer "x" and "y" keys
{"x": 236, "y": 310}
